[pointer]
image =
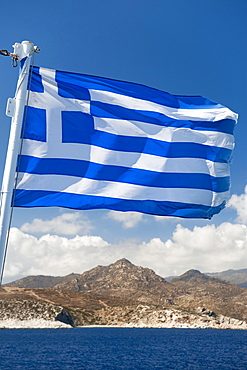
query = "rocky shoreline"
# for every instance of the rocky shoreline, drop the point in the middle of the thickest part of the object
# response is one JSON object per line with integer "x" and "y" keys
{"x": 28, "y": 314}
{"x": 45, "y": 324}
{"x": 40, "y": 316}
{"x": 33, "y": 324}
{"x": 144, "y": 316}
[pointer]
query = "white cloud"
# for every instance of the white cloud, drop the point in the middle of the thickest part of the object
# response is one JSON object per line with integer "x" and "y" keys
{"x": 239, "y": 203}
{"x": 128, "y": 219}
{"x": 51, "y": 254}
{"x": 65, "y": 224}
{"x": 208, "y": 249}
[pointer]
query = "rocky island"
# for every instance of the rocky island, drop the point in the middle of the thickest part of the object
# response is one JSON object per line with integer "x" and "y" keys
{"x": 123, "y": 295}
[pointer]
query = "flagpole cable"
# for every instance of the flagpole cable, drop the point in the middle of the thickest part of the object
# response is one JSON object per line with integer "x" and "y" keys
{"x": 17, "y": 167}
{"x": 15, "y": 109}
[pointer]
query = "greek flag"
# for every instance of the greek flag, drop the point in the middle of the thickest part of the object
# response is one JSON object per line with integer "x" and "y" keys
{"x": 91, "y": 142}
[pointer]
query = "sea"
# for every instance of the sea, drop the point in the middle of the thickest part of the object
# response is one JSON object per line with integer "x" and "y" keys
{"x": 122, "y": 348}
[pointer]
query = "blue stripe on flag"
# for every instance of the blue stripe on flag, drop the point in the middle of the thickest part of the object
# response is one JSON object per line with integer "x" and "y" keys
{"x": 104, "y": 110}
{"x": 31, "y": 198}
{"x": 149, "y": 146}
{"x": 95, "y": 171}
{"x": 69, "y": 81}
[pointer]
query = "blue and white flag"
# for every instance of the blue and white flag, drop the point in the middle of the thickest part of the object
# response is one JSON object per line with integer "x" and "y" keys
{"x": 92, "y": 142}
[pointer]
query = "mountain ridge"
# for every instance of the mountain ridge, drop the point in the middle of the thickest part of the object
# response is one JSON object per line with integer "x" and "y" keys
{"x": 43, "y": 281}
{"x": 125, "y": 294}
{"x": 238, "y": 277}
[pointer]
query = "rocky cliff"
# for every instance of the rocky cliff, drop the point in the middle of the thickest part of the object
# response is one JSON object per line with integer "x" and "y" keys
{"x": 19, "y": 310}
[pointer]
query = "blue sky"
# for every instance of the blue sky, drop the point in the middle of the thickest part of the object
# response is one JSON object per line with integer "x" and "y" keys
{"x": 193, "y": 47}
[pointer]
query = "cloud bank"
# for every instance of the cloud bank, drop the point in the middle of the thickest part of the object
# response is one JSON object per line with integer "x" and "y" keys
{"x": 207, "y": 248}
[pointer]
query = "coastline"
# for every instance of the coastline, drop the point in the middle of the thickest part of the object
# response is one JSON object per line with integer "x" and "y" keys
{"x": 49, "y": 324}
{"x": 33, "y": 324}
{"x": 182, "y": 326}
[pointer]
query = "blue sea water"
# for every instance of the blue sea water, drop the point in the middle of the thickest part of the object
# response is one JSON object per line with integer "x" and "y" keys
{"x": 122, "y": 348}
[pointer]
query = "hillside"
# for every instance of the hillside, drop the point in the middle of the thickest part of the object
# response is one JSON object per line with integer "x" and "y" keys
{"x": 125, "y": 282}
{"x": 238, "y": 277}
{"x": 220, "y": 295}
{"x": 125, "y": 294}
{"x": 41, "y": 281}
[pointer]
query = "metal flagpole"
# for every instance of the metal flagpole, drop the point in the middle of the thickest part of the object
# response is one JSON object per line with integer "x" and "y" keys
{"x": 15, "y": 109}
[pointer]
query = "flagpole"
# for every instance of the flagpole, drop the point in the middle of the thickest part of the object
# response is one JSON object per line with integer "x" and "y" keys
{"x": 15, "y": 109}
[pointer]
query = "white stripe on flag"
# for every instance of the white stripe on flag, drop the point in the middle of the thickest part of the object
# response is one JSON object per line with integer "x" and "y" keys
{"x": 208, "y": 114}
{"x": 162, "y": 133}
{"x": 74, "y": 185}
{"x": 117, "y": 158}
